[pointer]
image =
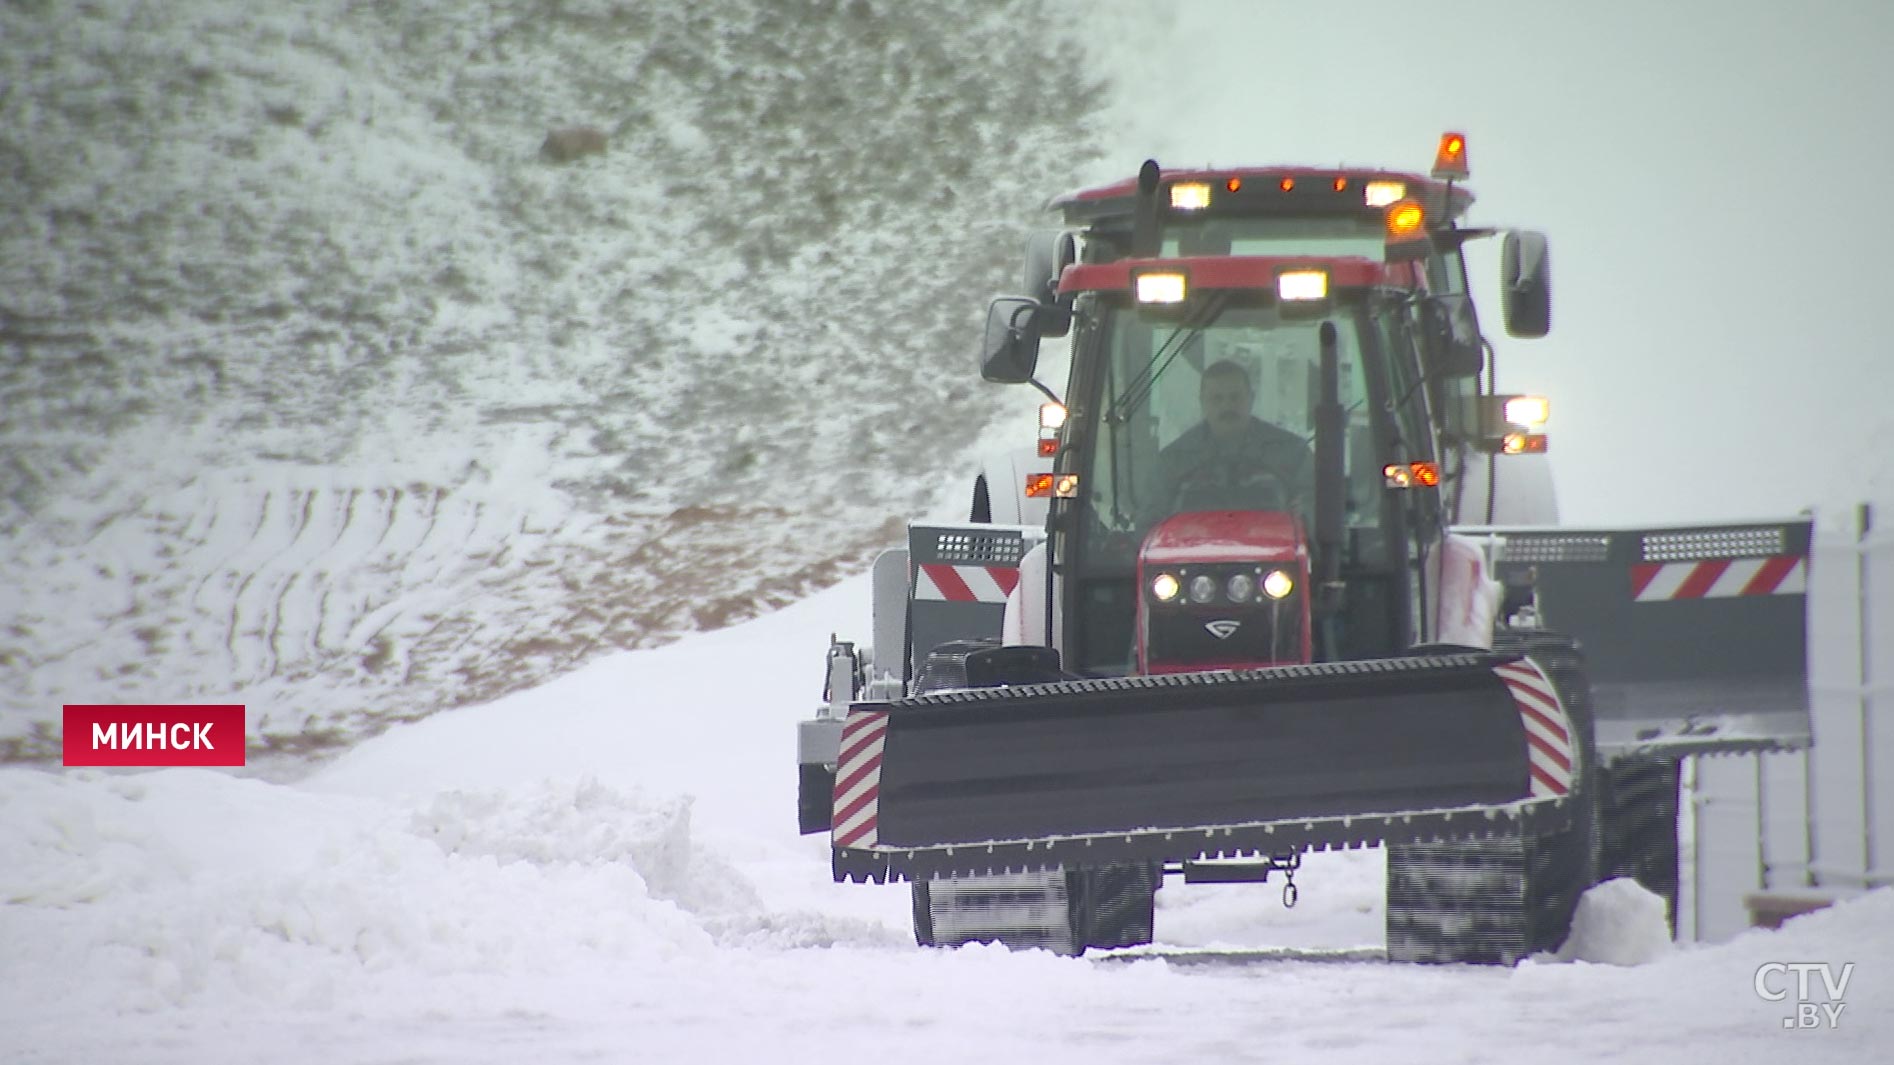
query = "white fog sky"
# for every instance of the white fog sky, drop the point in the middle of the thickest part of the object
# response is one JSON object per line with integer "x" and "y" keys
{"x": 1710, "y": 176}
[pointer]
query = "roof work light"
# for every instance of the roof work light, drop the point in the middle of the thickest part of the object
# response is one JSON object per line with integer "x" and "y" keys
{"x": 1293, "y": 286}
{"x": 1190, "y": 195}
{"x": 1161, "y": 286}
{"x": 1383, "y": 193}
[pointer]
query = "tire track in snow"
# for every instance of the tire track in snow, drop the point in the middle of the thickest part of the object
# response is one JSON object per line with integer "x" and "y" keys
{"x": 362, "y": 525}
{"x": 250, "y": 617}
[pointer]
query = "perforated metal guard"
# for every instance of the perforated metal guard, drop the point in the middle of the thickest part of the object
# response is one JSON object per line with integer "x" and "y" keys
{"x": 985, "y": 548}
{"x": 1556, "y": 548}
{"x": 1750, "y": 542}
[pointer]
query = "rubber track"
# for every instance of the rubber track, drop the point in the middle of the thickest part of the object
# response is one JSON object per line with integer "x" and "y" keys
{"x": 1639, "y": 837}
{"x": 1497, "y": 900}
{"x": 1021, "y": 910}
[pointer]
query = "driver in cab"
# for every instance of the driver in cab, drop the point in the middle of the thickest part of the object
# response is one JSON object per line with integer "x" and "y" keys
{"x": 1233, "y": 460}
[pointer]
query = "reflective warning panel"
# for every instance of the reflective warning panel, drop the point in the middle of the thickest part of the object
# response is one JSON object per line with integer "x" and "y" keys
{"x": 959, "y": 577}
{"x": 1695, "y": 638}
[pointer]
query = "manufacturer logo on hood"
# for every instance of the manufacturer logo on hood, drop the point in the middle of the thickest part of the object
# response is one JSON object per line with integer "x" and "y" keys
{"x": 1223, "y": 628}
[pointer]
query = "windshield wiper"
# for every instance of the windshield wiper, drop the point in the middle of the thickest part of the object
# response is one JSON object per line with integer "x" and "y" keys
{"x": 1167, "y": 352}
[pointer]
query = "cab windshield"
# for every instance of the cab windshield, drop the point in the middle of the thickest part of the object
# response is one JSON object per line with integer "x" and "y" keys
{"x": 1214, "y": 409}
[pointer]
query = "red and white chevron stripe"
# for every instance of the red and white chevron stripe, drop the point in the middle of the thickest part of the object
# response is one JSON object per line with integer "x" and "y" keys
{"x": 1719, "y": 578}
{"x": 1549, "y": 757}
{"x": 965, "y": 584}
{"x": 858, "y": 779}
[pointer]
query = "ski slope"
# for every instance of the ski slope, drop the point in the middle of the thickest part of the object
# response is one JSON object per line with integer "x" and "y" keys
{"x": 606, "y": 868}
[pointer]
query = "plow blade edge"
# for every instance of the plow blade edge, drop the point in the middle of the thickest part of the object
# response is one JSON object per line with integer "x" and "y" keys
{"x": 1093, "y": 772}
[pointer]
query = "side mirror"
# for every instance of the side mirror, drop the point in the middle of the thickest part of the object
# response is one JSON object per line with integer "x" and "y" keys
{"x": 1048, "y": 253}
{"x": 1525, "y": 284}
{"x": 1009, "y": 351}
{"x": 1451, "y": 337}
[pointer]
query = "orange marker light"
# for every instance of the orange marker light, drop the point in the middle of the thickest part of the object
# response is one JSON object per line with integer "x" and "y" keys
{"x": 1341, "y": 184}
{"x": 1411, "y": 475}
{"x": 1450, "y": 161}
{"x": 1405, "y": 219}
{"x": 1038, "y": 484}
{"x": 1048, "y": 447}
{"x": 1286, "y": 184}
{"x": 1235, "y": 184}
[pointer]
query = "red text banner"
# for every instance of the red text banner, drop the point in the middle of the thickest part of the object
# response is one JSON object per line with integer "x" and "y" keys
{"x": 153, "y": 735}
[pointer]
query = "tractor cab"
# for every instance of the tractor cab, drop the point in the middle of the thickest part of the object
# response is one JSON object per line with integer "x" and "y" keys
{"x": 1196, "y": 470}
{"x": 1219, "y": 319}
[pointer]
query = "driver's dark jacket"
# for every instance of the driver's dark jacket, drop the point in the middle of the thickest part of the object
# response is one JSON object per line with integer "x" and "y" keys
{"x": 1260, "y": 446}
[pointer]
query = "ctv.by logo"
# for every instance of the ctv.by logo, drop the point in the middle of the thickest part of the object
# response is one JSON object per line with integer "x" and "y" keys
{"x": 1772, "y": 985}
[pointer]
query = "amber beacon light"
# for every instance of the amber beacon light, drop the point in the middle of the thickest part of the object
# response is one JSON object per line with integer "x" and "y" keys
{"x": 1450, "y": 161}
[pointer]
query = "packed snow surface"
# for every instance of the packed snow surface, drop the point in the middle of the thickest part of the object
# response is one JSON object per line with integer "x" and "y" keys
{"x": 607, "y": 868}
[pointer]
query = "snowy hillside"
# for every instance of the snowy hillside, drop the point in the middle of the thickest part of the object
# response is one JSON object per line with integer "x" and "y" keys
{"x": 607, "y": 869}
{"x": 323, "y": 390}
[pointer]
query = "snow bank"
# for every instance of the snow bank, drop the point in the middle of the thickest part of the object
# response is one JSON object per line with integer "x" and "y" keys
{"x": 1618, "y": 922}
{"x": 164, "y": 887}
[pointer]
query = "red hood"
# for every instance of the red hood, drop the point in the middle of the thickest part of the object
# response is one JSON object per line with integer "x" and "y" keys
{"x": 1225, "y": 536}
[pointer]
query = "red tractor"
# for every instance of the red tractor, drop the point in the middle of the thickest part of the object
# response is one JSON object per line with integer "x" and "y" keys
{"x": 1253, "y": 622}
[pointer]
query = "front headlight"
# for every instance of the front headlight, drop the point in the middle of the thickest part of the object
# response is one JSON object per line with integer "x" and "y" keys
{"x": 1241, "y": 588}
{"x": 1164, "y": 587}
{"x": 1278, "y": 584}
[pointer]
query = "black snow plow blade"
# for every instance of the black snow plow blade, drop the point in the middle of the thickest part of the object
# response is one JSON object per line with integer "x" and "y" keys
{"x": 1093, "y": 772}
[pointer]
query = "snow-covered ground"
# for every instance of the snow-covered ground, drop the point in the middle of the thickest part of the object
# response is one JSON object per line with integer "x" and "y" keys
{"x": 607, "y": 868}
{"x": 321, "y": 392}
